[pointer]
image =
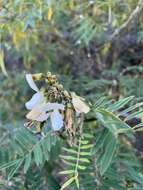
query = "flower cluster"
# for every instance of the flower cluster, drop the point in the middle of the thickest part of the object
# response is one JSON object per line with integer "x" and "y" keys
{"x": 53, "y": 102}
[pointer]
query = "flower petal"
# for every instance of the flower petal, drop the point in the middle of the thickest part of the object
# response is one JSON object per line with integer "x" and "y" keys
{"x": 43, "y": 117}
{"x": 52, "y": 106}
{"x": 79, "y": 105}
{"x": 33, "y": 114}
{"x": 31, "y": 82}
{"x": 34, "y": 101}
{"x": 56, "y": 120}
{"x": 36, "y": 115}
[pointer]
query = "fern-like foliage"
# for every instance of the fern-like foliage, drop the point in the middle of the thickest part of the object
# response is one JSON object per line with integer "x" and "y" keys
{"x": 77, "y": 160}
{"x": 24, "y": 149}
{"x": 116, "y": 116}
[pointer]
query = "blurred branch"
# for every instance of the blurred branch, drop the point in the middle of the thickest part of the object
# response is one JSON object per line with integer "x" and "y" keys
{"x": 132, "y": 17}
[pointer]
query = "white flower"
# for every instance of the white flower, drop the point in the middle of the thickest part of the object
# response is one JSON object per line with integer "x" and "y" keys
{"x": 37, "y": 98}
{"x": 44, "y": 111}
{"x": 40, "y": 110}
{"x": 79, "y": 104}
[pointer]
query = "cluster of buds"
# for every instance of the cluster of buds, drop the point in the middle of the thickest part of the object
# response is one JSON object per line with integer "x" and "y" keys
{"x": 53, "y": 103}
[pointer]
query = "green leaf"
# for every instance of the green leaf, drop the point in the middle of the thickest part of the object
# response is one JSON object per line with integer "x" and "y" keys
{"x": 22, "y": 140}
{"x": 16, "y": 147}
{"x": 84, "y": 160}
{"x": 28, "y": 136}
{"x": 131, "y": 108}
{"x": 85, "y": 153}
{"x": 112, "y": 122}
{"x": 68, "y": 157}
{"x": 135, "y": 114}
{"x": 68, "y": 163}
{"x": 83, "y": 141}
{"x": 87, "y": 135}
{"x": 38, "y": 155}
{"x": 14, "y": 168}
{"x": 99, "y": 102}
{"x": 46, "y": 148}
{"x": 107, "y": 157}
{"x": 81, "y": 167}
{"x": 75, "y": 158}
{"x": 86, "y": 146}
{"x": 77, "y": 182}
{"x": 120, "y": 104}
{"x": 68, "y": 182}
{"x": 73, "y": 165}
{"x": 9, "y": 164}
{"x": 52, "y": 183}
{"x": 67, "y": 172}
{"x": 70, "y": 150}
{"x": 99, "y": 141}
{"x": 27, "y": 162}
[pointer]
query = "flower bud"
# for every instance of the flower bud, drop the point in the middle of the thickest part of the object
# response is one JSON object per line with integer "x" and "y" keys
{"x": 36, "y": 77}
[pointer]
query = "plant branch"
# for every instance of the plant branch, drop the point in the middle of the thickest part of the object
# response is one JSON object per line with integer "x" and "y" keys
{"x": 132, "y": 17}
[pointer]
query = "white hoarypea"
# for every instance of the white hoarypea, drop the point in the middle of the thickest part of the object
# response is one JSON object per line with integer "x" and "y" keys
{"x": 40, "y": 110}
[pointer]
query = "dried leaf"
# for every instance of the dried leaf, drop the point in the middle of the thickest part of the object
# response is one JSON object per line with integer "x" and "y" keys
{"x": 68, "y": 118}
{"x": 69, "y": 122}
{"x": 79, "y": 105}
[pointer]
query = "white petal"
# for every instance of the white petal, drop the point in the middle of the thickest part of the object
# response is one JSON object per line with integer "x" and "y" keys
{"x": 56, "y": 120}
{"x": 33, "y": 114}
{"x": 34, "y": 101}
{"x": 43, "y": 117}
{"x": 79, "y": 105}
{"x": 52, "y": 106}
{"x": 31, "y": 82}
{"x": 36, "y": 115}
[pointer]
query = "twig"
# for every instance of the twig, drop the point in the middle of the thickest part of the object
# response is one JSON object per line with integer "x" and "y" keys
{"x": 132, "y": 17}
